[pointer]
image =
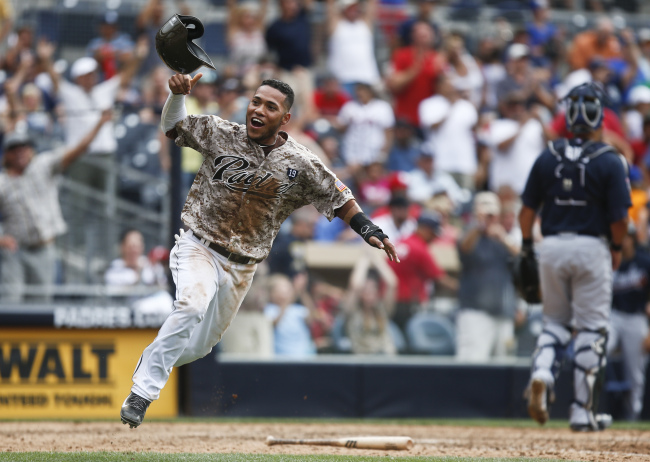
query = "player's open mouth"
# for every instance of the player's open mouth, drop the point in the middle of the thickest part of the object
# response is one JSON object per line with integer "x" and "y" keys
{"x": 257, "y": 123}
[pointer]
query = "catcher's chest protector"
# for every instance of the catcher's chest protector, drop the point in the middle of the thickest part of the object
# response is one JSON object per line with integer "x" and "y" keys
{"x": 570, "y": 175}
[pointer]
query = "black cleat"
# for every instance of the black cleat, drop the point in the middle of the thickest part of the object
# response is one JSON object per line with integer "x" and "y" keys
{"x": 133, "y": 410}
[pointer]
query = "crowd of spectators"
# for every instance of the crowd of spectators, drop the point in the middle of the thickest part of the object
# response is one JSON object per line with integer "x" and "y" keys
{"x": 436, "y": 141}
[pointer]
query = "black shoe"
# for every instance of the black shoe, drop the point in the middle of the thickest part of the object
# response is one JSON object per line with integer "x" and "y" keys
{"x": 133, "y": 410}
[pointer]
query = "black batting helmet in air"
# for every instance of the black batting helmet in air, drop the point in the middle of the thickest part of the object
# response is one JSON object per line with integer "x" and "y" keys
{"x": 584, "y": 111}
{"x": 175, "y": 47}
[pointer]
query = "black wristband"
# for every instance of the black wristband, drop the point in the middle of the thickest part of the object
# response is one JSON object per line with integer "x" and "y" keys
{"x": 365, "y": 228}
{"x": 526, "y": 246}
{"x": 615, "y": 247}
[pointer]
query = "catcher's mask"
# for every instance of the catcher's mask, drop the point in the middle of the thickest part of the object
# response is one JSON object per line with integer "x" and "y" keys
{"x": 175, "y": 47}
{"x": 584, "y": 108}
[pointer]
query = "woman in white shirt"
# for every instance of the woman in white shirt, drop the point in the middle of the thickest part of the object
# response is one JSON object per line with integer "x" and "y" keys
{"x": 351, "y": 45}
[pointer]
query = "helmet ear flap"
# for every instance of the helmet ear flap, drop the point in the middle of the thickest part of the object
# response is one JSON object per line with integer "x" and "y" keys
{"x": 194, "y": 26}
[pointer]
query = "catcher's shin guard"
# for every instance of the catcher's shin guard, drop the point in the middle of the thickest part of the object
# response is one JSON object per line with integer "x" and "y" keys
{"x": 549, "y": 352}
{"x": 588, "y": 376}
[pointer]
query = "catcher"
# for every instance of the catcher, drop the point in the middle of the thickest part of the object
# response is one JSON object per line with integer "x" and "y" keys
{"x": 580, "y": 185}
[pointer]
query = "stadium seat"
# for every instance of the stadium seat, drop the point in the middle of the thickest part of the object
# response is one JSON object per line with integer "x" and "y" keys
{"x": 429, "y": 333}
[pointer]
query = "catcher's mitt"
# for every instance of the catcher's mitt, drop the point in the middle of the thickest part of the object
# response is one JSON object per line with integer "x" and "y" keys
{"x": 527, "y": 276}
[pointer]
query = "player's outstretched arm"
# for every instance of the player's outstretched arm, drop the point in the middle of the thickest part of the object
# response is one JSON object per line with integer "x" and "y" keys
{"x": 352, "y": 214}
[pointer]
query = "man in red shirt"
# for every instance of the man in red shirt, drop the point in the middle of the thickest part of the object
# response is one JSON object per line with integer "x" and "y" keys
{"x": 418, "y": 269}
{"x": 413, "y": 73}
{"x": 329, "y": 98}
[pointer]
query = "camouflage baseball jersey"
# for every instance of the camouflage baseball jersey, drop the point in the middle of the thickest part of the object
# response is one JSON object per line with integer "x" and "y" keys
{"x": 241, "y": 196}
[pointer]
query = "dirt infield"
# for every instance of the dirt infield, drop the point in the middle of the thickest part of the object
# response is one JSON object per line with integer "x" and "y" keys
{"x": 430, "y": 440}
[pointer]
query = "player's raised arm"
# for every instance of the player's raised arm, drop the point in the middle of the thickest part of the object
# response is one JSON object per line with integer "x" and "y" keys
{"x": 352, "y": 214}
{"x": 174, "y": 110}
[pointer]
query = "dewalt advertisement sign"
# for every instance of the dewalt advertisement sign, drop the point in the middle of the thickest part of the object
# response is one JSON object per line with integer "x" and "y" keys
{"x": 46, "y": 373}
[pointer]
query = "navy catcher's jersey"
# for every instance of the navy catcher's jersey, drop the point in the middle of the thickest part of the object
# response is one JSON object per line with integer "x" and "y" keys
{"x": 632, "y": 284}
{"x": 580, "y": 186}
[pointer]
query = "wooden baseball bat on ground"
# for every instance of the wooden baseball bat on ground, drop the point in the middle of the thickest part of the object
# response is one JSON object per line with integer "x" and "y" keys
{"x": 360, "y": 442}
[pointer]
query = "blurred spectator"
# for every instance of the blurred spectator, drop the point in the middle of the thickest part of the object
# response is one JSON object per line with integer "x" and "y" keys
{"x": 231, "y": 104}
{"x": 449, "y": 122}
{"x": 541, "y": 32}
{"x": 397, "y": 224}
{"x": 413, "y": 73}
{"x": 639, "y": 212}
{"x": 133, "y": 268}
{"x": 423, "y": 13}
{"x": 522, "y": 77}
{"x": 449, "y": 232}
{"x": 368, "y": 306}
{"x": 374, "y": 186}
{"x": 639, "y": 102}
{"x": 418, "y": 269}
{"x": 642, "y": 149}
{"x": 489, "y": 55}
{"x": 289, "y": 37}
{"x": 601, "y": 41}
{"x": 367, "y": 124}
{"x": 112, "y": 49}
{"x": 324, "y": 299}
{"x": 27, "y": 111}
{"x": 31, "y": 213}
{"x": 290, "y": 320}
{"x": 463, "y": 70}
{"x": 331, "y": 147}
{"x": 351, "y": 55}
{"x": 614, "y": 79}
{"x": 428, "y": 180}
{"x": 6, "y": 19}
{"x": 329, "y": 98}
{"x": 84, "y": 98}
{"x": 405, "y": 150}
{"x": 245, "y": 34}
{"x": 485, "y": 322}
{"x": 629, "y": 321}
{"x": 516, "y": 140}
{"x": 643, "y": 38}
{"x": 287, "y": 255}
{"x": 149, "y": 21}
{"x": 155, "y": 93}
{"x": 509, "y": 212}
{"x": 21, "y": 44}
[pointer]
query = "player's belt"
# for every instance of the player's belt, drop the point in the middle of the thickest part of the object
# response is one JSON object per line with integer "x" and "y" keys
{"x": 234, "y": 257}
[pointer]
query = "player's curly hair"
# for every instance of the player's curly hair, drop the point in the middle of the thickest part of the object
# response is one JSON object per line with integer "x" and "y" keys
{"x": 283, "y": 88}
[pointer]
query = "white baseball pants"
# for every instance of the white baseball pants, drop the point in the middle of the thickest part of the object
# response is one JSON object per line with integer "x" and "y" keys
{"x": 209, "y": 291}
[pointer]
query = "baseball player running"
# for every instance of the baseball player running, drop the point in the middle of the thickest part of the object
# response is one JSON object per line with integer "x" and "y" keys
{"x": 581, "y": 187}
{"x": 629, "y": 322}
{"x": 252, "y": 178}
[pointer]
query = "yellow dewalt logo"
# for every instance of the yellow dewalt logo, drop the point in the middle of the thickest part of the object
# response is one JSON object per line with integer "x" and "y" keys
{"x": 61, "y": 362}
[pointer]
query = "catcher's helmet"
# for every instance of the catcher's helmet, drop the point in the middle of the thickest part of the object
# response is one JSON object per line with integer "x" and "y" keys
{"x": 584, "y": 111}
{"x": 175, "y": 47}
